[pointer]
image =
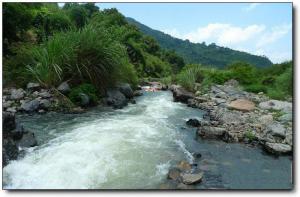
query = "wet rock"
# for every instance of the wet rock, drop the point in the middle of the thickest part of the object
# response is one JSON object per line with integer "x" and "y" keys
{"x": 45, "y": 104}
{"x": 184, "y": 166}
{"x": 276, "y": 130}
{"x": 242, "y": 105}
{"x": 193, "y": 123}
{"x": 211, "y": 132}
{"x": 116, "y": 99}
{"x": 7, "y": 104}
{"x": 277, "y": 148}
{"x": 28, "y": 140}
{"x": 9, "y": 151}
{"x": 84, "y": 100}
{"x": 182, "y": 95}
{"x": 277, "y": 105}
{"x": 8, "y": 122}
{"x": 126, "y": 90}
{"x": 286, "y": 118}
{"x": 31, "y": 106}
{"x": 18, "y": 132}
{"x": 17, "y": 94}
{"x": 64, "y": 88}
{"x": 188, "y": 178}
{"x": 11, "y": 109}
{"x": 137, "y": 93}
{"x": 33, "y": 86}
{"x": 174, "y": 174}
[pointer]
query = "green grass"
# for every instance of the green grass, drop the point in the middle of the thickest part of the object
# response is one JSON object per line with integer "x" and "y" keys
{"x": 250, "y": 136}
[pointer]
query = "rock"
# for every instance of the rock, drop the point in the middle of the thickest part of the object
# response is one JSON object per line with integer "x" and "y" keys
{"x": 182, "y": 95}
{"x": 193, "y": 123}
{"x": 17, "y": 94}
{"x": 242, "y": 105}
{"x": 8, "y": 122}
{"x": 33, "y": 86}
{"x": 84, "y": 100}
{"x": 126, "y": 90}
{"x": 286, "y": 118}
{"x": 11, "y": 109}
{"x": 184, "y": 166}
{"x": 164, "y": 87}
{"x": 211, "y": 132}
{"x": 232, "y": 82}
{"x": 277, "y": 105}
{"x": 137, "y": 93}
{"x": 31, "y": 106}
{"x": 45, "y": 104}
{"x": 28, "y": 140}
{"x": 200, "y": 99}
{"x": 188, "y": 178}
{"x": 9, "y": 151}
{"x": 132, "y": 101}
{"x": 45, "y": 94}
{"x": 41, "y": 111}
{"x": 276, "y": 130}
{"x": 7, "y": 104}
{"x": 197, "y": 155}
{"x": 116, "y": 99}
{"x": 266, "y": 119}
{"x": 174, "y": 174}
{"x": 18, "y": 132}
{"x": 277, "y": 148}
{"x": 64, "y": 88}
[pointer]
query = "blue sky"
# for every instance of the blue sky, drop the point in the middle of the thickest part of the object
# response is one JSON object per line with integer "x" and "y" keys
{"x": 258, "y": 28}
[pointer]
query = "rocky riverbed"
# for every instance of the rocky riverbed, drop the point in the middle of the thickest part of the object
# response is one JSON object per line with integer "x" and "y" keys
{"x": 234, "y": 115}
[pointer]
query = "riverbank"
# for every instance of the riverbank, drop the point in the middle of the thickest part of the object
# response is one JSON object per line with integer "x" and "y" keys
{"x": 234, "y": 115}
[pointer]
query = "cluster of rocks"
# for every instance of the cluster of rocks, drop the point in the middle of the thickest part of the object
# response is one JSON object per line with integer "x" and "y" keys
{"x": 33, "y": 99}
{"x": 121, "y": 95}
{"x": 234, "y": 115}
{"x": 15, "y": 138}
{"x": 183, "y": 176}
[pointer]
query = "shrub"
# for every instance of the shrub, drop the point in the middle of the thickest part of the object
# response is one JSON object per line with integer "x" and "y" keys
{"x": 85, "y": 88}
{"x": 256, "y": 88}
{"x": 249, "y": 135}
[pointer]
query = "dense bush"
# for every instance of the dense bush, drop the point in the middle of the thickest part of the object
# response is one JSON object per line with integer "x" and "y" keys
{"x": 87, "y": 89}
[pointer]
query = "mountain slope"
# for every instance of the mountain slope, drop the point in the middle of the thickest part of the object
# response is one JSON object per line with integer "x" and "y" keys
{"x": 202, "y": 53}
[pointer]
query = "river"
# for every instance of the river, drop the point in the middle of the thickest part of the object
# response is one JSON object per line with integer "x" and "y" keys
{"x": 133, "y": 148}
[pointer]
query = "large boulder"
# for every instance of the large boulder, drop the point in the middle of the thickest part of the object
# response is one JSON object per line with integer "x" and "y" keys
{"x": 9, "y": 151}
{"x": 277, "y": 148}
{"x": 276, "y": 130}
{"x": 126, "y": 90}
{"x": 211, "y": 132}
{"x": 182, "y": 95}
{"x": 31, "y": 106}
{"x": 33, "y": 86}
{"x": 17, "y": 94}
{"x": 242, "y": 105}
{"x": 28, "y": 140}
{"x": 277, "y": 105}
{"x": 64, "y": 88}
{"x": 116, "y": 99}
{"x": 8, "y": 122}
{"x": 189, "y": 178}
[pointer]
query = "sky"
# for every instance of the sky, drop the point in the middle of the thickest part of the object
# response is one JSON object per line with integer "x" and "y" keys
{"x": 257, "y": 28}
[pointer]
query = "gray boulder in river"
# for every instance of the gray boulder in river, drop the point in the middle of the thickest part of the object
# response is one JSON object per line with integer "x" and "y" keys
{"x": 182, "y": 95}
{"x": 116, "y": 99}
{"x": 126, "y": 90}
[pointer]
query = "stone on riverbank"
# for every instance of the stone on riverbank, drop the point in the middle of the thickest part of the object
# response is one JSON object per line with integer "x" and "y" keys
{"x": 30, "y": 106}
{"x": 33, "y": 86}
{"x": 17, "y": 94}
{"x": 182, "y": 95}
{"x": 211, "y": 132}
{"x": 277, "y": 105}
{"x": 116, "y": 99}
{"x": 276, "y": 130}
{"x": 64, "y": 88}
{"x": 277, "y": 148}
{"x": 242, "y": 105}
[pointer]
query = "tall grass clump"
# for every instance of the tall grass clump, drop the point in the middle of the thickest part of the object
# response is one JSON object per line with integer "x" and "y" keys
{"x": 189, "y": 76}
{"x": 88, "y": 55}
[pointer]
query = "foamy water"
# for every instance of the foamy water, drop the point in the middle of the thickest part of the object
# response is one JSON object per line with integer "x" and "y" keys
{"x": 126, "y": 149}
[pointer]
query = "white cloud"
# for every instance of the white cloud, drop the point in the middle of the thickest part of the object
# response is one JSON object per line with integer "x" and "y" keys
{"x": 275, "y": 56}
{"x": 251, "y": 6}
{"x": 275, "y": 34}
{"x": 220, "y": 33}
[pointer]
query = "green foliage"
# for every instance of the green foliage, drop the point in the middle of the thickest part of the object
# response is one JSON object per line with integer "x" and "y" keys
{"x": 243, "y": 72}
{"x": 256, "y": 88}
{"x": 189, "y": 76}
{"x": 201, "y": 53}
{"x": 84, "y": 88}
{"x": 250, "y": 136}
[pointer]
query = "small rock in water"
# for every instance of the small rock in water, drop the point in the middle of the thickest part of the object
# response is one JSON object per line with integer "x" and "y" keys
{"x": 188, "y": 178}
{"x": 28, "y": 140}
{"x": 183, "y": 166}
{"x": 193, "y": 122}
{"x": 174, "y": 174}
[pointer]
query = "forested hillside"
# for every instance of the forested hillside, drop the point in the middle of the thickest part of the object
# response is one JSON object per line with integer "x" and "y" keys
{"x": 201, "y": 53}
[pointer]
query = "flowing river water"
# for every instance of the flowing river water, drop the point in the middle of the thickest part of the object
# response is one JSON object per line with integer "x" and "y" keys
{"x": 133, "y": 148}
